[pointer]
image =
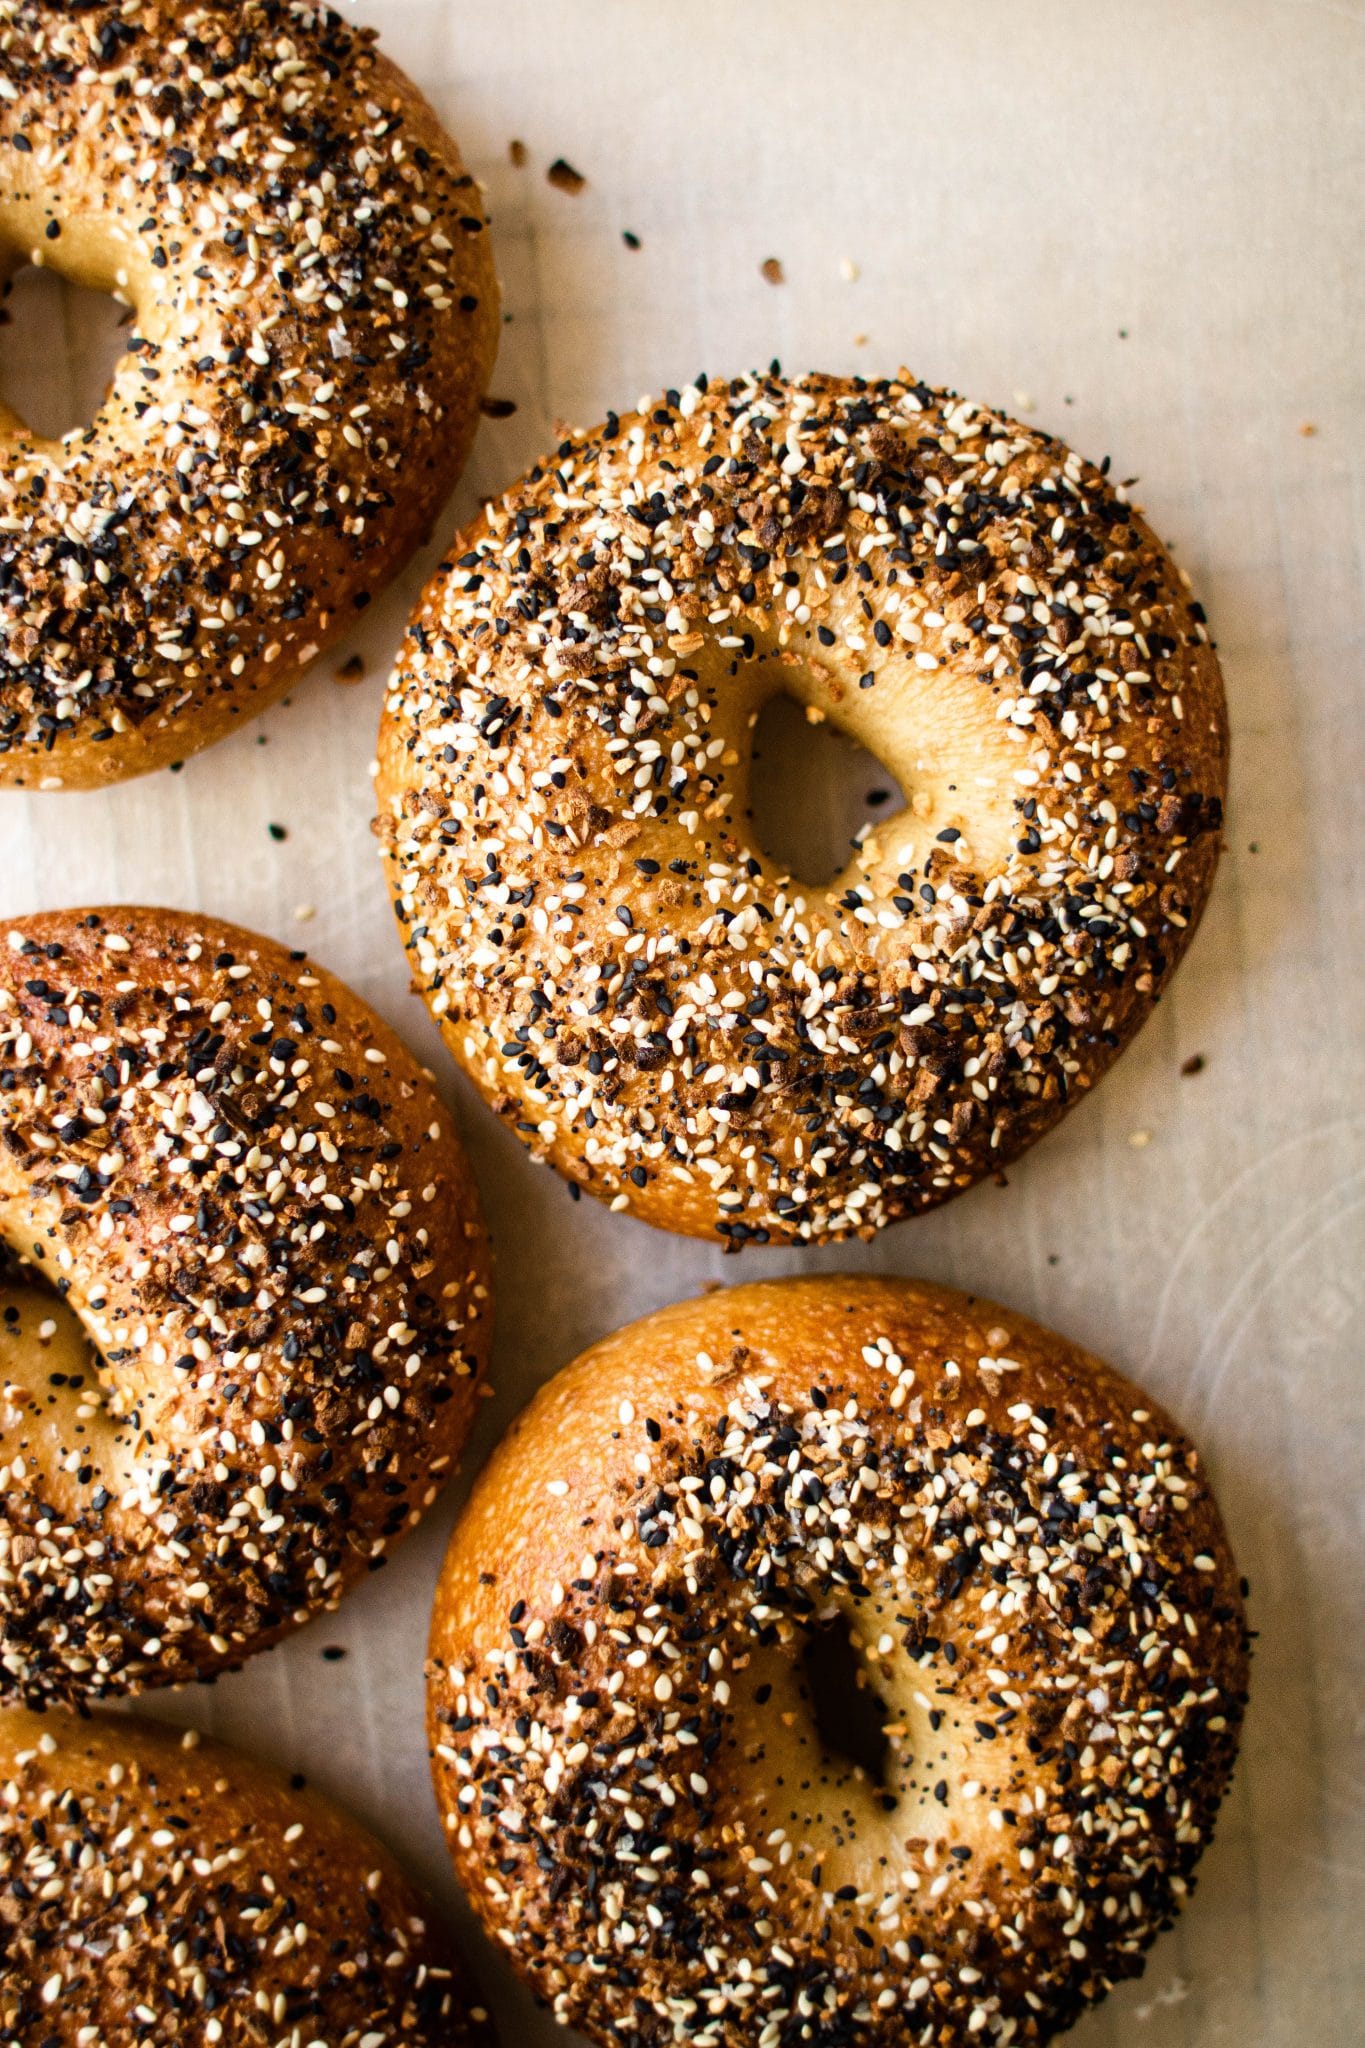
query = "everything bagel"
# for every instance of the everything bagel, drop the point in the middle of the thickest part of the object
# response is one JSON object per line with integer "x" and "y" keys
{"x": 160, "y": 1888}
{"x": 250, "y": 1196}
{"x": 316, "y": 316}
{"x": 673, "y": 1023}
{"x": 1027, "y": 1566}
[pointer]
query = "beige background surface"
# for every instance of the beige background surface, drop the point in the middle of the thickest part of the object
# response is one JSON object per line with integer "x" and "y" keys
{"x": 1142, "y": 226}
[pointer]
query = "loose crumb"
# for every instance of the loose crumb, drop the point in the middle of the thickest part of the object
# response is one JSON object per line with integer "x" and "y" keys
{"x": 497, "y": 408}
{"x": 1172, "y": 1994}
{"x": 352, "y": 669}
{"x": 278, "y": 832}
{"x": 772, "y": 270}
{"x": 1137, "y": 1139}
{"x": 1307, "y": 429}
{"x": 1195, "y": 1064}
{"x": 630, "y": 238}
{"x": 564, "y": 177}
{"x": 518, "y": 153}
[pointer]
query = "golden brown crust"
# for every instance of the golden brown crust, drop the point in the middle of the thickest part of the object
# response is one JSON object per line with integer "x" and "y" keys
{"x": 159, "y": 1888}
{"x": 1036, "y": 1583}
{"x": 316, "y": 321}
{"x": 675, "y": 1024}
{"x": 251, "y": 1196}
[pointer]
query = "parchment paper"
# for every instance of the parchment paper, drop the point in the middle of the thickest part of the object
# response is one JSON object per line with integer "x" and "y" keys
{"x": 1140, "y": 228}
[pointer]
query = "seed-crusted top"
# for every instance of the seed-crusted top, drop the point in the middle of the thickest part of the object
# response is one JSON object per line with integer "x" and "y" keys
{"x": 675, "y": 1023}
{"x": 1025, "y": 1558}
{"x": 160, "y": 1890}
{"x": 250, "y": 1195}
{"x": 316, "y": 316}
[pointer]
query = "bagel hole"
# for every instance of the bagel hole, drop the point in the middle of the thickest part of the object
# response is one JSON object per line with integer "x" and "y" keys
{"x": 60, "y": 344}
{"x": 814, "y": 793}
{"x": 30, "y": 1278}
{"x": 45, "y": 1352}
{"x": 849, "y": 1714}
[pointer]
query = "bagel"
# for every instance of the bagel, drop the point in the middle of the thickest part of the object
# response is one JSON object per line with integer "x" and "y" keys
{"x": 1026, "y": 1567}
{"x": 316, "y": 317}
{"x": 162, "y": 1888}
{"x": 675, "y": 1024}
{"x": 250, "y": 1196}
